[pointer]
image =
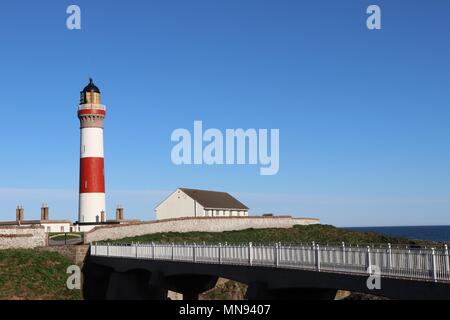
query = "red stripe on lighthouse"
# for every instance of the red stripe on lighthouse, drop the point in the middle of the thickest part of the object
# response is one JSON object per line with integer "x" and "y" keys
{"x": 92, "y": 175}
{"x": 92, "y": 111}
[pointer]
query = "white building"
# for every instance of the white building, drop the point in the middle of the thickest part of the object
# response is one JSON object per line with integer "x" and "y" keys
{"x": 200, "y": 203}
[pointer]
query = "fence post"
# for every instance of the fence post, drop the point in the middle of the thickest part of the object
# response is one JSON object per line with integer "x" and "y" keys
{"x": 153, "y": 251}
{"x": 277, "y": 255}
{"x": 447, "y": 263}
{"x": 343, "y": 253}
{"x": 136, "y": 246}
{"x": 220, "y": 253}
{"x": 369, "y": 261}
{"x": 434, "y": 266}
{"x": 173, "y": 249}
{"x": 193, "y": 251}
{"x": 389, "y": 258}
{"x": 409, "y": 261}
{"x": 107, "y": 249}
{"x": 318, "y": 257}
{"x": 250, "y": 254}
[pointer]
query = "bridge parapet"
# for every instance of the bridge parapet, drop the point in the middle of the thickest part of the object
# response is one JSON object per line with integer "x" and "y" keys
{"x": 404, "y": 263}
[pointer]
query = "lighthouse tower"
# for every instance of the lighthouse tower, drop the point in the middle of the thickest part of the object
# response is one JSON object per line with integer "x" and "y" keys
{"x": 92, "y": 175}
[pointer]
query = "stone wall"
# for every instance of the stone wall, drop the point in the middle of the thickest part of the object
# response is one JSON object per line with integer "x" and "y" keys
{"x": 15, "y": 237}
{"x": 76, "y": 254}
{"x": 204, "y": 224}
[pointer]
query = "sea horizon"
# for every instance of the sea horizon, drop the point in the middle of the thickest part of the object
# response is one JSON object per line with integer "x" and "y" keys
{"x": 439, "y": 233}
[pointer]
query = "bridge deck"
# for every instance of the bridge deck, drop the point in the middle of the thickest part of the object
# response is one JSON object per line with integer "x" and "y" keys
{"x": 412, "y": 264}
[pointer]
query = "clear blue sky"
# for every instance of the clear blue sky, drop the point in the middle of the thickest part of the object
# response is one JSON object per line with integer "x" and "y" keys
{"x": 363, "y": 115}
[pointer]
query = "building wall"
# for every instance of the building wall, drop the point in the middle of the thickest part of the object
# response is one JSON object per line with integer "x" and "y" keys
{"x": 22, "y": 237}
{"x": 205, "y": 224}
{"x": 76, "y": 254}
{"x": 87, "y": 228}
{"x": 178, "y": 205}
{"x": 57, "y": 227}
{"x": 225, "y": 213}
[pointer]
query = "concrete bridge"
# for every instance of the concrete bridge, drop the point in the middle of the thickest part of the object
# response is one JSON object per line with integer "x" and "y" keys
{"x": 148, "y": 271}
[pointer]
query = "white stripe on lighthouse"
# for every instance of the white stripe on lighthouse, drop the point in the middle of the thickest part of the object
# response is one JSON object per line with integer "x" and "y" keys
{"x": 92, "y": 143}
{"x": 91, "y": 206}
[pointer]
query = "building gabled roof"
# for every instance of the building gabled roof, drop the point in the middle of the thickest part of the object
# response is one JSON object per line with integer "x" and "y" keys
{"x": 214, "y": 199}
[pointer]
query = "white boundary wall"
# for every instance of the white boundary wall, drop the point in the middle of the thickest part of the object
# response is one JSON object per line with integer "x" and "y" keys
{"x": 206, "y": 224}
{"x": 22, "y": 237}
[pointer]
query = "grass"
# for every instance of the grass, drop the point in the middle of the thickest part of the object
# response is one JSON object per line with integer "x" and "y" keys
{"x": 323, "y": 234}
{"x": 34, "y": 275}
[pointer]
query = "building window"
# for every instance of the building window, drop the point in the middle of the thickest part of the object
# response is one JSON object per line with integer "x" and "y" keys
{"x": 62, "y": 229}
{"x": 49, "y": 229}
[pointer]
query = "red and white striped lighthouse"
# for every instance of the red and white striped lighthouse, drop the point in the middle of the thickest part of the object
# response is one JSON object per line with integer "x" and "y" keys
{"x": 92, "y": 174}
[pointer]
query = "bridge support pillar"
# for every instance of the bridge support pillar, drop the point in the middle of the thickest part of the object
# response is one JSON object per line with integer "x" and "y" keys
{"x": 258, "y": 291}
{"x": 190, "y": 296}
{"x": 191, "y": 285}
{"x": 133, "y": 286}
{"x": 95, "y": 281}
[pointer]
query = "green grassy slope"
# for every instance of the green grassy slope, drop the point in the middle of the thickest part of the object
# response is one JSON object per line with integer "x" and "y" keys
{"x": 34, "y": 275}
{"x": 299, "y": 234}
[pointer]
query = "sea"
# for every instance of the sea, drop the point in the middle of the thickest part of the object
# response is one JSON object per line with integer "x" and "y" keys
{"x": 434, "y": 233}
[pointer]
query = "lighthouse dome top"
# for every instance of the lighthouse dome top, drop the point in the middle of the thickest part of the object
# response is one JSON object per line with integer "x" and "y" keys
{"x": 90, "y": 94}
{"x": 91, "y": 87}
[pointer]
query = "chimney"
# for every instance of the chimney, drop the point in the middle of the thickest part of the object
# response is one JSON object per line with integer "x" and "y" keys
{"x": 103, "y": 216}
{"x": 20, "y": 214}
{"x": 119, "y": 213}
{"x": 46, "y": 212}
{"x": 43, "y": 213}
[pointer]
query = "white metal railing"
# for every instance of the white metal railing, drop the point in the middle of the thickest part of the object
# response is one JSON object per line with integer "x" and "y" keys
{"x": 91, "y": 106}
{"x": 409, "y": 263}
